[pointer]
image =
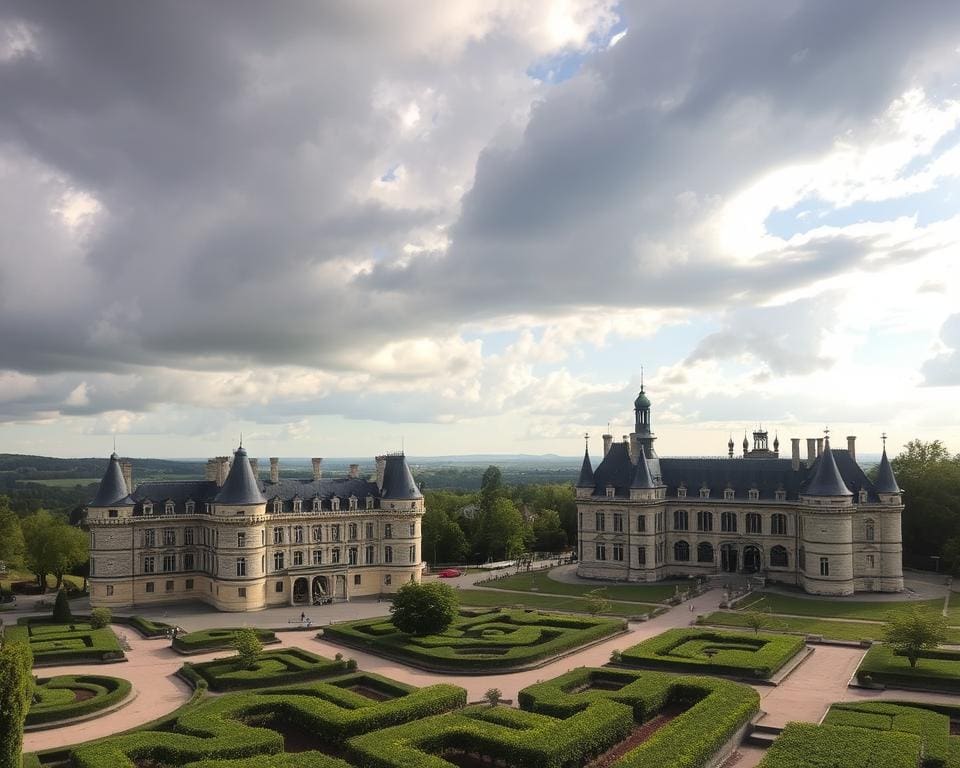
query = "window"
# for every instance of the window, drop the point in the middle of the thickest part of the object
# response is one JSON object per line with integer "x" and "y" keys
{"x": 780, "y": 495}
{"x": 149, "y": 564}
{"x": 617, "y": 522}
{"x": 149, "y": 538}
{"x": 335, "y": 555}
{"x": 109, "y": 590}
{"x": 298, "y": 534}
{"x": 682, "y": 492}
{"x": 316, "y": 503}
{"x": 318, "y": 557}
{"x": 353, "y": 502}
{"x": 642, "y": 555}
{"x": 191, "y": 507}
{"x": 188, "y": 563}
{"x": 753, "y": 494}
{"x": 388, "y": 580}
{"x": 680, "y": 520}
{"x": 802, "y": 559}
{"x": 277, "y": 506}
{"x": 356, "y": 579}
{"x": 188, "y": 584}
{"x": 169, "y": 563}
{"x": 704, "y": 493}
{"x": 316, "y": 533}
{"x": 388, "y": 531}
{"x": 188, "y": 536}
{"x": 335, "y": 503}
{"x": 388, "y": 554}
{"x": 704, "y": 552}
{"x": 168, "y": 508}
{"x": 704, "y": 521}
{"x": 658, "y": 553}
{"x": 413, "y": 529}
{"x": 369, "y": 502}
{"x": 278, "y": 587}
{"x": 352, "y": 555}
{"x": 601, "y": 552}
{"x": 352, "y": 531}
{"x": 824, "y": 566}
{"x": 113, "y": 513}
{"x": 334, "y": 533}
{"x": 369, "y": 531}
{"x": 413, "y": 555}
{"x": 278, "y": 561}
{"x": 169, "y": 537}
{"x": 168, "y": 586}
{"x": 148, "y": 510}
{"x": 869, "y": 530}
{"x": 642, "y": 523}
{"x": 610, "y": 491}
{"x": 658, "y": 520}
{"x": 297, "y": 506}
{"x": 871, "y": 561}
{"x": 728, "y": 522}
{"x": 778, "y": 557}
{"x": 241, "y": 591}
{"x": 241, "y": 566}
{"x": 278, "y": 535}
{"x": 618, "y": 552}
{"x": 754, "y": 523}
{"x": 368, "y": 555}
{"x": 681, "y": 552}
{"x": 149, "y": 586}
{"x": 298, "y": 557}
{"x": 778, "y": 524}
{"x": 728, "y": 494}
{"x": 241, "y": 539}
{"x": 601, "y": 521}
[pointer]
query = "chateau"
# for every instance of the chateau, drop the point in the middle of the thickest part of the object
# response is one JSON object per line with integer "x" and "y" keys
{"x": 817, "y": 522}
{"x": 241, "y": 544}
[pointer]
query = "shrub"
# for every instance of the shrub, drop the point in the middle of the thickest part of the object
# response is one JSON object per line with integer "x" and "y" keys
{"x": 100, "y": 617}
{"x": 16, "y": 686}
{"x": 939, "y": 669}
{"x": 216, "y": 639}
{"x": 424, "y": 609}
{"x": 61, "y": 608}
{"x": 826, "y": 746}
{"x": 492, "y": 695}
{"x": 271, "y": 668}
{"x": 248, "y": 647}
{"x": 915, "y": 631}
{"x": 58, "y": 702}
{"x": 53, "y": 643}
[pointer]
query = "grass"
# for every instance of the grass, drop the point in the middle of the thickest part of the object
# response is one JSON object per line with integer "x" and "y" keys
{"x": 17, "y": 574}
{"x": 936, "y": 669}
{"x": 492, "y": 599}
{"x": 636, "y": 593}
{"x": 774, "y": 602}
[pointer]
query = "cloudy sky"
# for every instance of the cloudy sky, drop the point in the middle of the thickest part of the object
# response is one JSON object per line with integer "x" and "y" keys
{"x": 464, "y": 227}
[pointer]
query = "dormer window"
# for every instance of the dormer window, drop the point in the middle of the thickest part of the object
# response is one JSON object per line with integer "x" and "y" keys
{"x": 335, "y": 503}
{"x": 168, "y": 508}
{"x": 316, "y": 503}
{"x": 369, "y": 501}
{"x": 148, "y": 507}
{"x": 728, "y": 494}
{"x": 277, "y": 506}
{"x": 191, "y": 506}
{"x": 754, "y": 494}
{"x": 863, "y": 496}
{"x": 780, "y": 495}
{"x": 610, "y": 491}
{"x": 704, "y": 492}
{"x": 681, "y": 491}
{"x": 297, "y": 505}
{"x": 353, "y": 502}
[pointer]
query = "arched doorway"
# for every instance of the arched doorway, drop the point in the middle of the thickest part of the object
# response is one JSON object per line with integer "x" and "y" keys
{"x": 321, "y": 589}
{"x": 300, "y": 590}
{"x": 728, "y": 558}
{"x": 752, "y": 560}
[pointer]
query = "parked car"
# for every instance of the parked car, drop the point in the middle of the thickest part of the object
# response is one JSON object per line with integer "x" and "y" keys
{"x": 450, "y": 573}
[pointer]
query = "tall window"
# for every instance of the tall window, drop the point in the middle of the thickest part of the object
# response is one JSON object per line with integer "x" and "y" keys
{"x": 298, "y": 534}
{"x": 278, "y": 561}
{"x": 188, "y": 563}
{"x": 778, "y": 524}
{"x": 704, "y": 552}
{"x": 413, "y": 529}
{"x": 641, "y": 555}
{"x": 728, "y": 522}
{"x": 618, "y": 552}
{"x": 387, "y": 531}
{"x": 704, "y": 521}
{"x": 617, "y": 523}
{"x": 352, "y": 531}
{"x": 334, "y": 533}
{"x": 778, "y": 557}
{"x": 369, "y": 530}
{"x": 298, "y": 557}
{"x": 241, "y": 539}
{"x": 680, "y": 520}
{"x": 169, "y": 537}
{"x": 241, "y": 566}
{"x": 278, "y": 535}
{"x": 869, "y": 530}
{"x": 681, "y": 551}
{"x": 318, "y": 557}
{"x": 168, "y": 508}
{"x": 601, "y": 522}
{"x": 188, "y": 536}
{"x": 754, "y": 524}
{"x": 368, "y": 555}
{"x": 169, "y": 563}
{"x": 802, "y": 559}
{"x": 149, "y": 538}
{"x": 316, "y": 533}
{"x": 388, "y": 554}
{"x": 412, "y": 555}
{"x": 352, "y": 555}
{"x": 335, "y": 555}
{"x": 642, "y": 523}
{"x": 824, "y": 566}
{"x": 871, "y": 561}
{"x": 149, "y": 564}
{"x": 601, "y": 552}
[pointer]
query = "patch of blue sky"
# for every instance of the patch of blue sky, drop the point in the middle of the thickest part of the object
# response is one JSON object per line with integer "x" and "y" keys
{"x": 566, "y": 64}
{"x": 390, "y": 175}
{"x": 937, "y": 204}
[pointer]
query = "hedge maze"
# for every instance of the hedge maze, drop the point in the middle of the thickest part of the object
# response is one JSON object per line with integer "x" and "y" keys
{"x": 631, "y": 719}
{"x": 65, "y": 643}
{"x": 493, "y": 640}
{"x": 69, "y": 696}
{"x": 873, "y": 734}
{"x": 937, "y": 669}
{"x": 215, "y": 639}
{"x": 713, "y": 652}
{"x": 272, "y": 668}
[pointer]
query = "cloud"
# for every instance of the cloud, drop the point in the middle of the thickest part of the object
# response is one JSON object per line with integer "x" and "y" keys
{"x": 943, "y": 370}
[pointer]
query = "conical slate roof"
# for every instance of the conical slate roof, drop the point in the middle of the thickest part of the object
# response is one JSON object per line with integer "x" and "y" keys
{"x": 886, "y": 482}
{"x": 586, "y": 471}
{"x": 240, "y": 487}
{"x": 827, "y": 480}
{"x": 642, "y": 479}
{"x": 398, "y": 483}
{"x": 113, "y": 490}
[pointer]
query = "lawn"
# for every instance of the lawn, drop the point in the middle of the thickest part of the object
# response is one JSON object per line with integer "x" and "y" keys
{"x": 714, "y": 652}
{"x": 774, "y": 602}
{"x": 68, "y": 696}
{"x": 937, "y": 669}
{"x": 540, "y": 582}
{"x": 17, "y": 574}
{"x": 492, "y": 599}
{"x": 498, "y": 639}
{"x": 65, "y": 643}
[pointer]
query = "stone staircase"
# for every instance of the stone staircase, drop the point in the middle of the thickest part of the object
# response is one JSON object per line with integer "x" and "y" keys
{"x": 762, "y": 735}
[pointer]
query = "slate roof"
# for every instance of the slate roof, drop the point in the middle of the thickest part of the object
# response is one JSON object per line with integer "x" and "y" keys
{"x": 642, "y": 478}
{"x": 886, "y": 482}
{"x": 240, "y": 487}
{"x": 113, "y": 489}
{"x": 398, "y": 481}
{"x": 586, "y": 471}
{"x": 826, "y": 480}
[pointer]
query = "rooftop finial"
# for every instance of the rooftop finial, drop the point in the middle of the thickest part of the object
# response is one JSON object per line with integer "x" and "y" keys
{"x": 114, "y": 442}
{"x": 641, "y": 378}
{"x": 826, "y": 432}
{"x": 241, "y": 439}
{"x": 884, "y": 438}
{"x": 586, "y": 437}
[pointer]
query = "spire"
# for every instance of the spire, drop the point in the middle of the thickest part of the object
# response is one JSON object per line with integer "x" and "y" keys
{"x": 827, "y": 480}
{"x": 240, "y": 487}
{"x": 642, "y": 478}
{"x": 586, "y": 469}
{"x": 886, "y": 482}
{"x": 113, "y": 491}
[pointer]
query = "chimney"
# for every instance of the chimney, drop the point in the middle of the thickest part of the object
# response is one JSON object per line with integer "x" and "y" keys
{"x": 811, "y": 451}
{"x": 354, "y": 470}
{"x": 852, "y": 446}
{"x": 381, "y": 468}
{"x": 274, "y": 470}
{"x": 126, "y": 467}
{"x": 819, "y": 446}
{"x": 255, "y": 466}
{"x": 317, "y": 471}
{"x": 607, "y": 442}
{"x": 223, "y": 467}
{"x": 795, "y": 453}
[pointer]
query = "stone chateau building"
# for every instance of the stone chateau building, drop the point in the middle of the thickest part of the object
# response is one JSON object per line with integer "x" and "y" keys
{"x": 241, "y": 544}
{"x": 817, "y": 522}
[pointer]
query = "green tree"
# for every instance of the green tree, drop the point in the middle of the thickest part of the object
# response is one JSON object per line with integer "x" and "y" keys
{"x": 74, "y": 552}
{"x": 597, "y": 601}
{"x": 248, "y": 647}
{"x": 52, "y": 546}
{"x": 16, "y": 693}
{"x": 492, "y": 695}
{"x": 756, "y": 620}
{"x": 424, "y": 609}
{"x": 501, "y": 532}
{"x": 491, "y": 488}
{"x": 61, "y": 608}
{"x": 100, "y": 617}
{"x": 913, "y": 631}
{"x": 548, "y": 533}
{"x": 11, "y": 537}
{"x": 443, "y": 539}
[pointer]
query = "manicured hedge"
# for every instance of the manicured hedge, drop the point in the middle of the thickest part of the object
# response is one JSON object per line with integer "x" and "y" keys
{"x": 935, "y": 670}
{"x": 215, "y": 639}
{"x": 803, "y": 745}
{"x": 496, "y": 640}
{"x": 933, "y": 728}
{"x": 54, "y": 697}
{"x": 146, "y": 627}
{"x": 741, "y": 654}
{"x": 280, "y": 667}
{"x": 53, "y": 643}
{"x": 282, "y": 760}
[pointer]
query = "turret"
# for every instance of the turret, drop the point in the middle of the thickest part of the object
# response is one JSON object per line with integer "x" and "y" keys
{"x": 585, "y": 482}
{"x": 112, "y": 493}
{"x": 643, "y": 486}
{"x": 886, "y": 483}
{"x": 240, "y": 488}
{"x": 826, "y": 546}
{"x": 399, "y": 486}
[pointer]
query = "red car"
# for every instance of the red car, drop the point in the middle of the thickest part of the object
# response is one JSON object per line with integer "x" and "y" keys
{"x": 449, "y": 573}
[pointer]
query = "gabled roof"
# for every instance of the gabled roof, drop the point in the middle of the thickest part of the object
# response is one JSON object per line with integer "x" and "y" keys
{"x": 886, "y": 482}
{"x": 240, "y": 487}
{"x": 827, "y": 480}
{"x": 586, "y": 471}
{"x": 642, "y": 477}
{"x": 398, "y": 483}
{"x": 113, "y": 488}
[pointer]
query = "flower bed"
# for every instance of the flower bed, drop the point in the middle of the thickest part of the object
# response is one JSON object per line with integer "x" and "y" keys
{"x": 715, "y": 652}
{"x": 69, "y": 696}
{"x": 501, "y": 639}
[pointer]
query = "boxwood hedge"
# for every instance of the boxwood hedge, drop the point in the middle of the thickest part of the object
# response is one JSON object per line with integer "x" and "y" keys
{"x": 714, "y": 652}
{"x": 215, "y": 639}
{"x": 803, "y": 745}
{"x": 280, "y": 667}
{"x": 936, "y": 669}
{"x": 496, "y": 640}
{"x": 54, "y": 698}
{"x": 54, "y": 643}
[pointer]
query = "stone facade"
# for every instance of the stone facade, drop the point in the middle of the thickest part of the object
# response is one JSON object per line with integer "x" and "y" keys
{"x": 818, "y": 523}
{"x": 241, "y": 544}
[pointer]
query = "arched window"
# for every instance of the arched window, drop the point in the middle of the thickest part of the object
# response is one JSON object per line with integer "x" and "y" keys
{"x": 680, "y": 520}
{"x": 704, "y": 521}
{"x": 754, "y": 523}
{"x": 704, "y": 552}
{"x": 779, "y": 557}
{"x": 728, "y": 522}
{"x": 802, "y": 559}
{"x": 681, "y": 552}
{"x": 869, "y": 530}
{"x": 778, "y": 524}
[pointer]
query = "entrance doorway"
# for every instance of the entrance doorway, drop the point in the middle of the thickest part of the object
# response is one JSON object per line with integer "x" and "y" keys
{"x": 752, "y": 561}
{"x": 728, "y": 558}
{"x": 300, "y": 590}
{"x": 321, "y": 590}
